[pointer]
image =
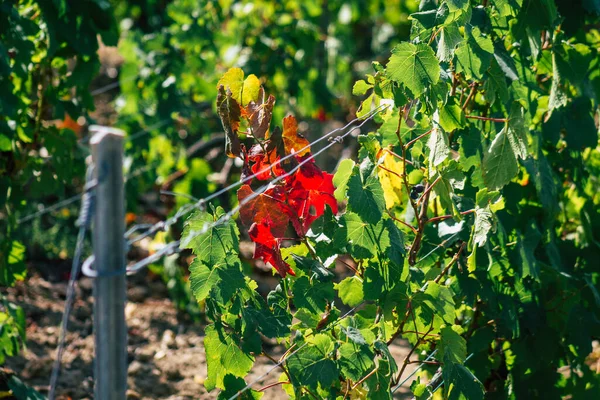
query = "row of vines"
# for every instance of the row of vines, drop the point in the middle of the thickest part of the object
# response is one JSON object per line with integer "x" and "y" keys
{"x": 468, "y": 220}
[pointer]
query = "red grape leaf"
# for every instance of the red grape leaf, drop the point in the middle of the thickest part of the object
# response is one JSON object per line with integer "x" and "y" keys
{"x": 293, "y": 142}
{"x": 229, "y": 112}
{"x": 311, "y": 190}
{"x": 267, "y": 248}
{"x": 268, "y": 209}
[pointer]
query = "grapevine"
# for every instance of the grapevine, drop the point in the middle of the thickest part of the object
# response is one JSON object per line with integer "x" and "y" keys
{"x": 451, "y": 222}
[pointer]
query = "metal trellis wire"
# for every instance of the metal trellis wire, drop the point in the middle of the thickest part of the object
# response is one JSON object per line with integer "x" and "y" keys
{"x": 84, "y": 221}
{"x": 163, "y": 225}
{"x": 172, "y": 247}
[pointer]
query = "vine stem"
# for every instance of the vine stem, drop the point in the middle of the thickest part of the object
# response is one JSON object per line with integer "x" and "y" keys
{"x": 285, "y": 371}
{"x": 421, "y": 333}
{"x": 389, "y": 170}
{"x": 262, "y": 389}
{"x": 422, "y": 219}
{"x": 470, "y": 96}
{"x": 311, "y": 250}
{"x": 348, "y": 265}
{"x": 412, "y": 202}
{"x": 444, "y": 217}
{"x": 486, "y": 118}
{"x": 425, "y": 362}
{"x": 287, "y": 352}
{"x": 399, "y": 157}
{"x": 287, "y": 295}
{"x": 364, "y": 378}
{"x": 409, "y": 355}
{"x": 451, "y": 263}
{"x": 418, "y": 138}
{"x": 401, "y": 326}
{"x": 430, "y": 187}
{"x": 434, "y": 34}
{"x": 412, "y": 228}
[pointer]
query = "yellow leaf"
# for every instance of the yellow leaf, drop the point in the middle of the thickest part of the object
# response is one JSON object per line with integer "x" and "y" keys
{"x": 292, "y": 141}
{"x": 390, "y": 172}
{"x": 250, "y": 89}
{"x": 242, "y": 91}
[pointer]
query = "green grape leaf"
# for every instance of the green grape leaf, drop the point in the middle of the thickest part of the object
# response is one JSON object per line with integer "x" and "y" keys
{"x": 452, "y": 347}
{"x": 545, "y": 186}
{"x": 415, "y": 66}
{"x": 313, "y": 296}
{"x": 461, "y": 383}
{"x": 439, "y": 148}
{"x": 365, "y": 239}
{"x": 230, "y": 280}
{"x": 495, "y": 86}
{"x": 483, "y": 225}
{"x": 450, "y": 178}
{"x": 273, "y": 323}
{"x": 350, "y": 291}
{"x": 450, "y": 37}
{"x": 499, "y": 162}
{"x": 313, "y": 365}
{"x": 438, "y": 299}
{"x": 12, "y": 263}
{"x": 365, "y": 196}
{"x": 452, "y": 117}
{"x": 234, "y": 385}
{"x": 224, "y": 357}
{"x": 474, "y": 55}
{"x": 558, "y": 96}
{"x": 22, "y": 391}
{"x": 517, "y": 131}
{"x": 379, "y": 383}
{"x": 360, "y": 88}
{"x": 526, "y": 247}
{"x": 312, "y": 266}
{"x": 202, "y": 279}
{"x": 340, "y": 179}
{"x": 457, "y": 5}
{"x": 355, "y": 361}
{"x": 212, "y": 246}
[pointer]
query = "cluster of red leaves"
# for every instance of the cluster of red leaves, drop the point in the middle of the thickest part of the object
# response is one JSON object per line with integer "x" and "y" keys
{"x": 297, "y": 199}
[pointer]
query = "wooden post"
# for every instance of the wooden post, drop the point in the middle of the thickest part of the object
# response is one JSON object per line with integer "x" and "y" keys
{"x": 109, "y": 251}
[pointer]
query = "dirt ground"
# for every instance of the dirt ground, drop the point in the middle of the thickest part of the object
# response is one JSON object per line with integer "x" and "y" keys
{"x": 166, "y": 355}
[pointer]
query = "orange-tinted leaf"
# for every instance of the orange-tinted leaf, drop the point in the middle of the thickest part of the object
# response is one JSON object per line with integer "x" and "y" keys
{"x": 70, "y": 123}
{"x": 268, "y": 209}
{"x": 311, "y": 190}
{"x": 130, "y": 218}
{"x": 259, "y": 114}
{"x": 293, "y": 142}
{"x": 265, "y": 165}
{"x": 229, "y": 112}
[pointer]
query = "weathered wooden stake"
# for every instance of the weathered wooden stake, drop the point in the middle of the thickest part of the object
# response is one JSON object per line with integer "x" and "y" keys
{"x": 109, "y": 251}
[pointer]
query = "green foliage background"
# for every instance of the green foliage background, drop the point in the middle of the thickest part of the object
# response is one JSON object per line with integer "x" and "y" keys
{"x": 498, "y": 101}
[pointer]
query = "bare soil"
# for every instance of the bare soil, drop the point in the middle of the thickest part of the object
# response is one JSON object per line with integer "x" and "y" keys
{"x": 166, "y": 353}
